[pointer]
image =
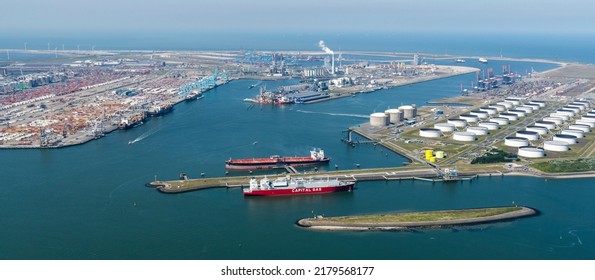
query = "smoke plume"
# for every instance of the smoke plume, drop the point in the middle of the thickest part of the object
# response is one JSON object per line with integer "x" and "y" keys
{"x": 324, "y": 47}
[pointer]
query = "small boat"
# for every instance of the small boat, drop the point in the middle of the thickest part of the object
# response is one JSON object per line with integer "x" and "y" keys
{"x": 483, "y": 60}
{"x": 459, "y": 60}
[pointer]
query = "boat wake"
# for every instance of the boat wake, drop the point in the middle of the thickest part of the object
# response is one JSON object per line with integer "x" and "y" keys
{"x": 335, "y": 114}
{"x": 144, "y": 135}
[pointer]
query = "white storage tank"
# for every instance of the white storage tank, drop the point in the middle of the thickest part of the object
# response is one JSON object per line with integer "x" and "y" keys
{"x": 556, "y": 120}
{"x": 409, "y": 111}
{"x": 506, "y": 104}
{"x": 539, "y": 129}
{"x": 514, "y": 102}
{"x": 394, "y": 115}
{"x": 588, "y": 118}
{"x": 457, "y": 122}
{"x": 378, "y": 119}
{"x": 445, "y": 127}
{"x": 531, "y": 152}
{"x": 574, "y": 109}
{"x": 527, "y": 109}
{"x": 584, "y": 103}
{"x": 478, "y": 130}
{"x": 570, "y": 139}
{"x": 582, "y": 107}
{"x": 567, "y": 112}
{"x": 556, "y": 146}
{"x": 490, "y": 125}
{"x": 490, "y": 111}
{"x": 585, "y": 122}
{"x": 533, "y": 107}
{"x": 509, "y": 116}
{"x": 519, "y": 113}
{"x": 498, "y": 107}
{"x": 501, "y": 121}
{"x": 480, "y": 114}
{"x": 564, "y": 117}
{"x": 546, "y": 124}
{"x": 516, "y": 141}
{"x": 430, "y": 132}
{"x": 530, "y": 135}
{"x": 582, "y": 127}
{"x": 540, "y": 103}
{"x": 464, "y": 136}
{"x": 575, "y": 132}
{"x": 469, "y": 118}
{"x": 590, "y": 114}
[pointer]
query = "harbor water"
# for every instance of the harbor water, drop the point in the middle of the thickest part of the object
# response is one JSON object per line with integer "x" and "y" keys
{"x": 89, "y": 201}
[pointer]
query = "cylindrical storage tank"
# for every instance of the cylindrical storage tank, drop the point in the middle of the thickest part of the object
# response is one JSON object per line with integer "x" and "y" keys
{"x": 490, "y": 111}
{"x": 394, "y": 115}
{"x": 590, "y": 114}
{"x": 570, "y": 139}
{"x": 574, "y": 109}
{"x": 514, "y": 102}
{"x": 588, "y": 118}
{"x": 575, "y": 132}
{"x": 439, "y": 154}
{"x": 432, "y": 159}
{"x": 516, "y": 141}
{"x": 582, "y": 127}
{"x": 564, "y": 117}
{"x": 556, "y": 146}
{"x": 530, "y": 135}
{"x": 509, "y": 116}
{"x": 539, "y": 129}
{"x": 531, "y": 152}
{"x": 430, "y": 132}
{"x": 409, "y": 111}
{"x": 429, "y": 154}
{"x": 540, "y": 103}
{"x": 556, "y": 120}
{"x": 534, "y": 107}
{"x": 457, "y": 122}
{"x": 498, "y": 107}
{"x": 478, "y": 130}
{"x": 501, "y": 121}
{"x": 469, "y": 118}
{"x": 506, "y": 104}
{"x": 585, "y": 122}
{"x": 567, "y": 112}
{"x": 546, "y": 124}
{"x": 519, "y": 113}
{"x": 527, "y": 109}
{"x": 480, "y": 114}
{"x": 490, "y": 125}
{"x": 578, "y": 105}
{"x": 445, "y": 127}
{"x": 464, "y": 136}
{"x": 584, "y": 103}
{"x": 378, "y": 119}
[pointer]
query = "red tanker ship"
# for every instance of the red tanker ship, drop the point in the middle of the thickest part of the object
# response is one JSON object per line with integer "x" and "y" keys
{"x": 297, "y": 186}
{"x": 316, "y": 157}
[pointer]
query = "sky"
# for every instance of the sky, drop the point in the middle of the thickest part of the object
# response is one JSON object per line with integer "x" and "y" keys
{"x": 517, "y": 16}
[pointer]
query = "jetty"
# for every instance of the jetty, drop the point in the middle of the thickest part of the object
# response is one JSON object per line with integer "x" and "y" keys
{"x": 431, "y": 219}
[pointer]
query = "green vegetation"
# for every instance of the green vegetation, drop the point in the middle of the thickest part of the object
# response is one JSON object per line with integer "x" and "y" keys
{"x": 431, "y": 216}
{"x": 569, "y": 165}
{"x": 495, "y": 155}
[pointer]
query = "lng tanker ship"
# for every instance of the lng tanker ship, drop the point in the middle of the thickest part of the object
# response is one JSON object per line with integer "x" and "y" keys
{"x": 316, "y": 157}
{"x": 295, "y": 186}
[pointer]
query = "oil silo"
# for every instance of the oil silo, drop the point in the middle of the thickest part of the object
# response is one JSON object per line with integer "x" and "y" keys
{"x": 514, "y": 102}
{"x": 506, "y": 104}
{"x": 527, "y": 109}
{"x": 478, "y": 130}
{"x": 394, "y": 115}
{"x": 469, "y": 118}
{"x": 566, "y": 112}
{"x": 582, "y": 127}
{"x": 539, "y": 129}
{"x": 457, "y": 122}
{"x": 530, "y": 135}
{"x": 546, "y": 124}
{"x": 490, "y": 111}
{"x": 531, "y": 152}
{"x": 445, "y": 127}
{"x": 570, "y": 139}
{"x": 574, "y": 109}
{"x": 564, "y": 117}
{"x": 378, "y": 119}
{"x": 556, "y": 146}
{"x": 533, "y": 107}
{"x": 519, "y": 113}
{"x": 490, "y": 125}
{"x": 430, "y": 132}
{"x": 499, "y": 120}
{"x": 499, "y": 108}
{"x": 509, "y": 116}
{"x": 541, "y": 104}
{"x": 556, "y": 120}
{"x": 575, "y": 132}
{"x": 585, "y": 122}
{"x": 516, "y": 141}
{"x": 409, "y": 111}
{"x": 464, "y": 136}
{"x": 480, "y": 114}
